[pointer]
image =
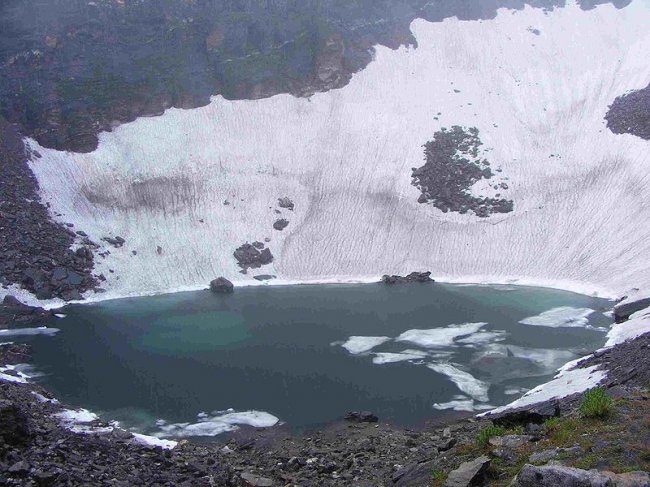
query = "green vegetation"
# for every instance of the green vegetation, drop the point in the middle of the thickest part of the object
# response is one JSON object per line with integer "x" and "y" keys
{"x": 596, "y": 404}
{"x": 489, "y": 432}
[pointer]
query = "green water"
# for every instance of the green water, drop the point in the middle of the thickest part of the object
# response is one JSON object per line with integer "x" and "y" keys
{"x": 279, "y": 350}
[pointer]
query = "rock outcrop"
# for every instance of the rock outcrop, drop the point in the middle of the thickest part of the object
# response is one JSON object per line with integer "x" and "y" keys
{"x": 412, "y": 277}
{"x": 221, "y": 285}
{"x": 251, "y": 256}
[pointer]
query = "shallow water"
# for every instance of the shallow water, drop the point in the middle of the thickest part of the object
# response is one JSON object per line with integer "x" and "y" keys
{"x": 286, "y": 352}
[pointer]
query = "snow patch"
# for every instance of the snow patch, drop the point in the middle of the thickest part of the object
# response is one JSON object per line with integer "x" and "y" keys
{"x": 391, "y": 358}
{"x": 154, "y": 442}
{"x": 219, "y": 422}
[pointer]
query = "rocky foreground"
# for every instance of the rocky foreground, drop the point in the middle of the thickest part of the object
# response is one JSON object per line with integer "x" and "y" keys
{"x": 549, "y": 444}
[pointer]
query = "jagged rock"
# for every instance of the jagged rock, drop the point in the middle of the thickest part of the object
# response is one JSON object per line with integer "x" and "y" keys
{"x": 116, "y": 242}
{"x": 560, "y": 476}
{"x": 623, "y": 311}
{"x": 258, "y": 245}
{"x": 13, "y": 311}
{"x": 222, "y": 285}
{"x": 414, "y": 474}
{"x": 361, "y": 417}
{"x": 250, "y": 257}
{"x": 250, "y": 480}
{"x": 412, "y": 277}
{"x": 469, "y": 474}
{"x": 445, "y": 444}
{"x": 510, "y": 441}
{"x": 537, "y": 414}
{"x": 285, "y": 203}
{"x": 280, "y": 224}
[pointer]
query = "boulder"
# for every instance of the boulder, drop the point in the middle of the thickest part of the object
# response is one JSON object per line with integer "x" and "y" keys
{"x": 250, "y": 480}
{"x": 560, "y": 476}
{"x": 412, "y": 277}
{"x": 469, "y": 474}
{"x": 264, "y": 277}
{"x": 285, "y": 203}
{"x": 221, "y": 285}
{"x": 624, "y": 310}
{"x": 414, "y": 474}
{"x": 536, "y": 413}
{"x": 280, "y": 224}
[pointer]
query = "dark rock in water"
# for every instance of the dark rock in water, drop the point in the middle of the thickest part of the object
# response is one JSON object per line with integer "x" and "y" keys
{"x": 361, "y": 417}
{"x": 537, "y": 414}
{"x": 469, "y": 474}
{"x": 412, "y": 277}
{"x": 264, "y": 277}
{"x": 222, "y": 285}
{"x": 560, "y": 476}
{"x": 285, "y": 203}
{"x": 13, "y": 424}
{"x": 623, "y": 311}
{"x": 280, "y": 224}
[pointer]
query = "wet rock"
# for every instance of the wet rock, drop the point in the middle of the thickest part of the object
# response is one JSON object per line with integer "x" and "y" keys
{"x": 361, "y": 417}
{"x": 560, "y": 476}
{"x": 412, "y": 277}
{"x": 469, "y": 474}
{"x": 221, "y": 285}
{"x": 280, "y": 224}
{"x": 285, "y": 202}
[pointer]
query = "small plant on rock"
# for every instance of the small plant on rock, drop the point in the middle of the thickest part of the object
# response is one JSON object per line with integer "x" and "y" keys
{"x": 596, "y": 403}
{"x": 489, "y": 432}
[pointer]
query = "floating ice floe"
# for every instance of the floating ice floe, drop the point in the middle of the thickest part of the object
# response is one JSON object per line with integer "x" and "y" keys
{"x": 545, "y": 361}
{"x": 393, "y": 357}
{"x": 220, "y": 422}
{"x": 562, "y": 317}
{"x": 465, "y": 381}
{"x": 439, "y": 337}
{"x": 483, "y": 338}
{"x": 41, "y": 330}
{"x": 357, "y": 345}
{"x": 462, "y": 403}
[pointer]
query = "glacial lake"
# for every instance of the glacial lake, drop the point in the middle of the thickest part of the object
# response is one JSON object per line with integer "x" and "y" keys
{"x": 199, "y": 364}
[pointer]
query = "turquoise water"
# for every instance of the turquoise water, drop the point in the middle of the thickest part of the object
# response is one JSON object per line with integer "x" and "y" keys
{"x": 282, "y": 350}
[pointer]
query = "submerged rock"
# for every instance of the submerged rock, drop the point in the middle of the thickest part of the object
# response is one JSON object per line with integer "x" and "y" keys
{"x": 412, "y": 277}
{"x": 221, "y": 285}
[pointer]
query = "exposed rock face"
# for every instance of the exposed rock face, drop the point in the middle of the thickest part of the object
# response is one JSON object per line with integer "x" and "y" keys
{"x": 250, "y": 257}
{"x": 623, "y": 311}
{"x": 469, "y": 474}
{"x": 280, "y": 224}
{"x": 630, "y": 114}
{"x": 13, "y": 311}
{"x": 536, "y": 414}
{"x": 412, "y": 277}
{"x": 221, "y": 285}
{"x": 453, "y": 165}
{"x": 34, "y": 251}
{"x": 285, "y": 203}
{"x": 560, "y": 476}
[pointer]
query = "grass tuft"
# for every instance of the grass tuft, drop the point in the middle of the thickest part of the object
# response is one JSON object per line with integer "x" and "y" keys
{"x": 596, "y": 404}
{"x": 489, "y": 432}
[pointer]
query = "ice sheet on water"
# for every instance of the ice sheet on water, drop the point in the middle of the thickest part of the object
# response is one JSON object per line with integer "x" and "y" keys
{"x": 439, "y": 337}
{"x": 394, "y": 357}
{"x": 41, "y": 330}
{"x": 461, "y": 403}
{"x": 215, "y": 424}
{"x": 357, "y": 345}
{"x": 465, "y": 381}
{"x": 564, "y": 316}
{"x": 483, "y": 337}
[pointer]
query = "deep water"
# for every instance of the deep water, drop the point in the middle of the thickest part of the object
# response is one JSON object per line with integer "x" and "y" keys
{"x": 281, "y": 350}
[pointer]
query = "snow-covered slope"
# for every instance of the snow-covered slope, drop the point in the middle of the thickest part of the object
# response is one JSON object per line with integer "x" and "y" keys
{"x": 536, "y": 84}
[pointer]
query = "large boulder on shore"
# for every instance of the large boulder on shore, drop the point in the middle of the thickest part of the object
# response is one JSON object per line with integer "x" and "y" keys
{"x": 221, "y": 285}
{"x": 412, "y": 277}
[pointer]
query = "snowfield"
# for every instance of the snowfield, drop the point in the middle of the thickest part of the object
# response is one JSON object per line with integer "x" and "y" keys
{"x": 581, "y": 194}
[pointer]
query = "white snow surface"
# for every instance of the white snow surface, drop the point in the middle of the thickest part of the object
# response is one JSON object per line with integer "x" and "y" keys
{"x": 465, "y": 381}
{"x": 153, "y": 442}
{"x": 581, "y": 218}
{"x": 564, "y": 316}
